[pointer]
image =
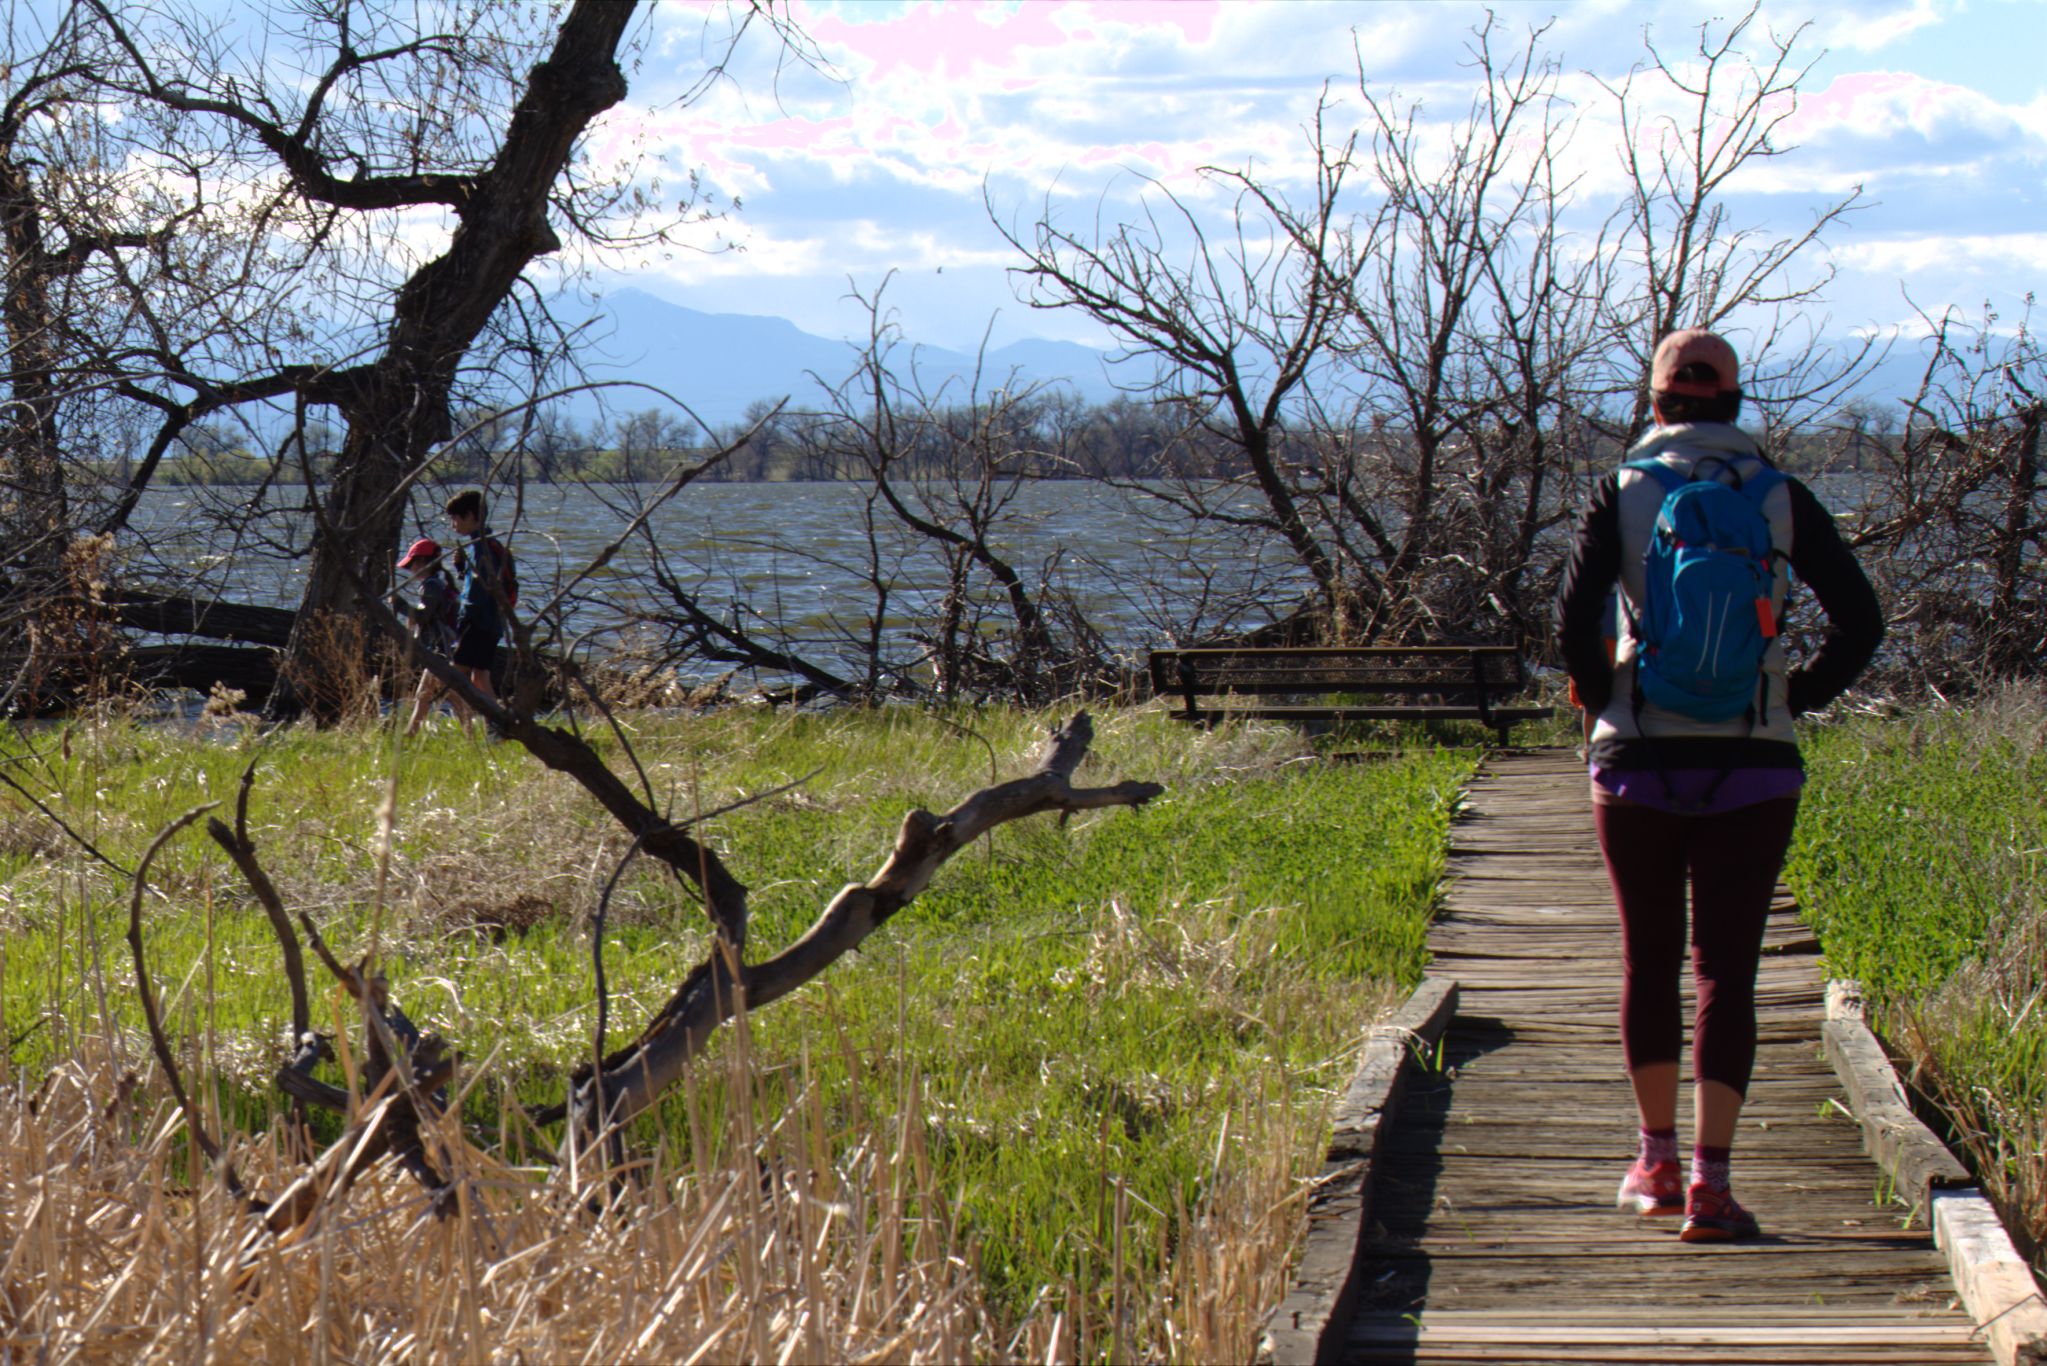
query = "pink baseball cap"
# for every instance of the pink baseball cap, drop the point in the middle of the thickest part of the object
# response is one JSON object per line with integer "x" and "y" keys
{"x": 1681, "y": 351}
{"x": 420, "y": 551}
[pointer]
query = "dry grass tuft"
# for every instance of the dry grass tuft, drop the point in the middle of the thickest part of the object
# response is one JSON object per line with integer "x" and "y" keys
{"x": 1231, "y": 1266}
{"x": 498, "y": 917}
{"x": 27, "y": 835}
{"x": 1999, "y": 1126}
{"x": 338, "y": 678}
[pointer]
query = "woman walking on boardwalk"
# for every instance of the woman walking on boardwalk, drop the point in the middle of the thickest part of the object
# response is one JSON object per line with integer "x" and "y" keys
{"x": 1694, "y": 762}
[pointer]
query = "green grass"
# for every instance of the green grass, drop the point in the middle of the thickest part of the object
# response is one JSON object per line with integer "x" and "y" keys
{"x": 1919, "y": 859}
{"x": 1081, "y": 1006}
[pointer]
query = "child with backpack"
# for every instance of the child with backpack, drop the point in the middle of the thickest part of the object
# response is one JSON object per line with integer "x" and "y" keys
{"x": 489, "y": 589}
{"x": 1694, "y": 763}
{"x": 430, "y": 609}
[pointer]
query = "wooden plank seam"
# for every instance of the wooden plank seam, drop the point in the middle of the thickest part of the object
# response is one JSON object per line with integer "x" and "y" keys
{"x": 1996, "y": 1285}
{"x": 1312, "y": 1322}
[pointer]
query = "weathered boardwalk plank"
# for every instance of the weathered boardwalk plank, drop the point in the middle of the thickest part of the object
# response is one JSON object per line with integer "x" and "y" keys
{"x": 1494, "y": 1237}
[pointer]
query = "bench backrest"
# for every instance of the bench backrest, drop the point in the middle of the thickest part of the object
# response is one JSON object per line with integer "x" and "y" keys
{"x": 1474, "y": 671}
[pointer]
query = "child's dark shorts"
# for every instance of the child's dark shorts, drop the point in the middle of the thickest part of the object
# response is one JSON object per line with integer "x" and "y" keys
{"x": 476, "y": 647}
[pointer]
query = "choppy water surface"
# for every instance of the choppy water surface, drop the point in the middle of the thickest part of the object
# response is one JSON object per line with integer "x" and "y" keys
{"x": 796, "y": 556}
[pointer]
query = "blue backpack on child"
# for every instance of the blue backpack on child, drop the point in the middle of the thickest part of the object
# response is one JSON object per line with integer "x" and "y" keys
{"x": 1708, "y": 612}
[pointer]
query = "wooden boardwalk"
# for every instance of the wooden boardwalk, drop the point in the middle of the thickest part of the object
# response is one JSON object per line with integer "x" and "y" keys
{"x": 1494, "y": 1237}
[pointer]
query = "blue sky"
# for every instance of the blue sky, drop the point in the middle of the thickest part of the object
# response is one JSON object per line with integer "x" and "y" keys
{"x": 875, "y": 161}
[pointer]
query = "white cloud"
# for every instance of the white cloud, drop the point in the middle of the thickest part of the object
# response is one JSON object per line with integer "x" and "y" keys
{"x": 1888, "y": 105}
{"x": 1865, "y": 28}
{"x": 2021, "y": 254}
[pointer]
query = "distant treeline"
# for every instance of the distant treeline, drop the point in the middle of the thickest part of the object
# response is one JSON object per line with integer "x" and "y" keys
{"x": 1047, "y": 435}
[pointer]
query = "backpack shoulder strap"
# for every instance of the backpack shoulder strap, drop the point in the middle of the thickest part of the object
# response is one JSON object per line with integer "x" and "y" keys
{"x": 1660, "y": 472}
{"x": 1763, "y": 480}
{"x": 1759, "y": 486}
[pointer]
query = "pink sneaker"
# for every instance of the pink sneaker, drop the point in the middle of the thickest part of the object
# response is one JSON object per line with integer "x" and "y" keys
{"x": 1652, "y": 1191}
{"x": 1713, "y": 1217}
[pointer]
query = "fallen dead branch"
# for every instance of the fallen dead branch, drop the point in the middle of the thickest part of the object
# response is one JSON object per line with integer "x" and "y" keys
{"x": 396, "y": 1101}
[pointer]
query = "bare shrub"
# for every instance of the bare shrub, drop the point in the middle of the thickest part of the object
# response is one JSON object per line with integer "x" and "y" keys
{"x": 1954, "y": 520}
{"x": 68, "y": 644}
{"x": 334, "y": 671}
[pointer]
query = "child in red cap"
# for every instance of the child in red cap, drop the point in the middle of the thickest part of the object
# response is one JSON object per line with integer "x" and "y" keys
{"x": 430, "y": 610}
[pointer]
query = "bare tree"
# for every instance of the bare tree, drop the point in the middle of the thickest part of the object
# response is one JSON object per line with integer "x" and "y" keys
{"x": 1464, "y": 323}
{"x": 949, "y": 467}
{"x": 1235, "y": 317}
{"x": 1687, "y": 263}
{"x": 553, "y": 447}
{"x": 1412, "y": 492}
{"x": 937, "y": 476}
{"x": 1957, "y": 505}
{"x": 1412, "y": 363}
{"x": 394, "y": 118}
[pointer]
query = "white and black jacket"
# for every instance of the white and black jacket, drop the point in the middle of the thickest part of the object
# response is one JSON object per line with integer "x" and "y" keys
{"x": 1612, "y": 537}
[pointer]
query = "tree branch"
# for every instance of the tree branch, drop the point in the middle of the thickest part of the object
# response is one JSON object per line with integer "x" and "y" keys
{"x": 635, "y": 1076}
{"x": 160, "y": 1044}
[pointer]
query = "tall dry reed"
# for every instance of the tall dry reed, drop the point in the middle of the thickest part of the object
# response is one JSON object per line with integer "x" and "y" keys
{"x": 789, "y": 1244}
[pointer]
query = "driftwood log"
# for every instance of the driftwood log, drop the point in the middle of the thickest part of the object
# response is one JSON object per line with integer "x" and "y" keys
{"x": 230, "y": 645}
{"x": 173, "y": 614}
{"x": 246, "y": 662}
{"x": 212, "y": 643}
{"x": 250, "y": 670}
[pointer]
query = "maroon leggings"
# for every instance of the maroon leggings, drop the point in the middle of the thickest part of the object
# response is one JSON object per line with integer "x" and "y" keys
{"x": 1733, "y": 859}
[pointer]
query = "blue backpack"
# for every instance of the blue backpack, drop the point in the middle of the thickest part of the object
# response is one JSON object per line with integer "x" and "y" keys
{"x": 1708, "y": 613}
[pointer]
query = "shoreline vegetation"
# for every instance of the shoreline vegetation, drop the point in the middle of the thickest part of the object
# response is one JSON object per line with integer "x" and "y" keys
{"x": 1065, "y": 1104}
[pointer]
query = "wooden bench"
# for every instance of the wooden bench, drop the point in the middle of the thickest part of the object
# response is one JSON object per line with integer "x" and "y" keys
{"x": 1417, "y": 683}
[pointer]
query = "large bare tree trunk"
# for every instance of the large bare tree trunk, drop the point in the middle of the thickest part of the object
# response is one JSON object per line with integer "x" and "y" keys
{"x": 397, "y": 408}
{"x": 31, "y": 461}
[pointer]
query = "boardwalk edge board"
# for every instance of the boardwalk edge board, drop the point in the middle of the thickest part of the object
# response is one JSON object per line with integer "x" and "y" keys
{"x": 1313, "y": 1321}
{"x": 1891, "y": 1133}
{"x": 1995, "y": 1283}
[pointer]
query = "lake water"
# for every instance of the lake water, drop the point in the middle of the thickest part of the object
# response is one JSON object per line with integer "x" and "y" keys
{"x": 792, "y": 561}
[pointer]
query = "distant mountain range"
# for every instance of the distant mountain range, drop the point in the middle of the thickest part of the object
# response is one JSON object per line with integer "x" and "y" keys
{"x": 719, "y": 363}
